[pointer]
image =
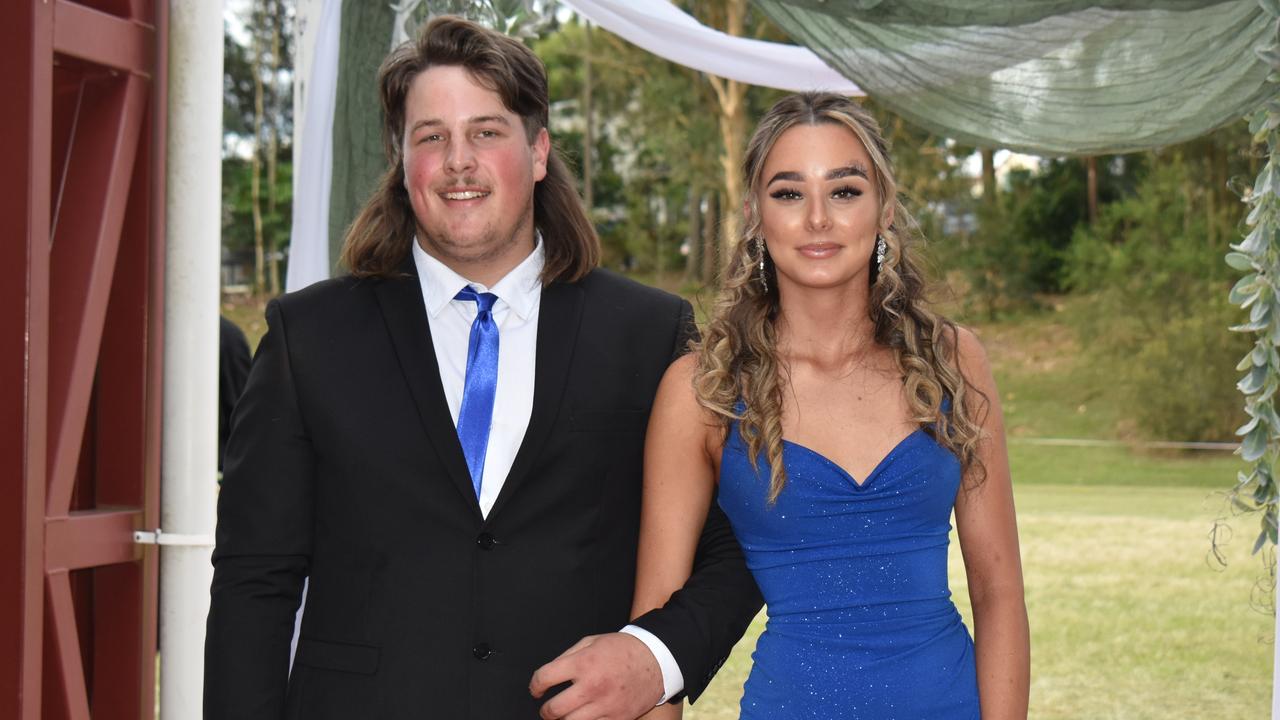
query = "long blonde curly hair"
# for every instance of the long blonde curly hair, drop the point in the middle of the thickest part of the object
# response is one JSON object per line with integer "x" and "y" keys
{"x": 737, "y": 355}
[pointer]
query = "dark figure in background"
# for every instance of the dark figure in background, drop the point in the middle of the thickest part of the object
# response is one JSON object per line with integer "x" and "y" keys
{"x": 448, "y": 442}
{"x": 233, "y": 373}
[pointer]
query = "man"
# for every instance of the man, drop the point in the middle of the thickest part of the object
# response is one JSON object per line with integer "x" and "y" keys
{"x": 448, "y": 442}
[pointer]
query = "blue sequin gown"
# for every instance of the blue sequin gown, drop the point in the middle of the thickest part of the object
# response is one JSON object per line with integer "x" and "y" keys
{"x": 861, "y": 624}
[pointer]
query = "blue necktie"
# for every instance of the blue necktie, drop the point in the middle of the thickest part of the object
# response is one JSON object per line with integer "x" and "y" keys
{"x": 476, "y": 414}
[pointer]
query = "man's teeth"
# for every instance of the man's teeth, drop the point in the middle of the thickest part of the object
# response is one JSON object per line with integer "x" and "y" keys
{"x": 468, "y": 195}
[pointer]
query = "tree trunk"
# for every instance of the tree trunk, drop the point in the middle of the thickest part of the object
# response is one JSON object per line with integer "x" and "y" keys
{"x": 1091, "y": 164}
{"x": 1219, "y": 197}
{"x": 1185, "y": 190}
{"x": 273, "y": 132}
{"x": 733, "y": 125}
{"x": 989, "y": 177}
{"x": 1211, "y": 200}
{"x": 255, "y": 187}
{"x": 588, "y": 134}
{"x": 731, "y": 95}
{"x": 656, "y": 211}
{"x": 693, "y": 261}
{"x": 710, "y": 248}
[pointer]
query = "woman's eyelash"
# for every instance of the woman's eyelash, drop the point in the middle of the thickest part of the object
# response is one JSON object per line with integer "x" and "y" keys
{"x": 788, "y": 194}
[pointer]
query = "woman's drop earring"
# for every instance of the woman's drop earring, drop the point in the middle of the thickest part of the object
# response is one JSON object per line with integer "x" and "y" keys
{"x": 760, "y": 250}
{"x": 881, "y": 246}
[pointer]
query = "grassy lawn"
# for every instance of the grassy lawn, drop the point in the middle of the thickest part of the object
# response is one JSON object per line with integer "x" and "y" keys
{"x": 1045, "y": 390}
{"x": 248, "y": 314}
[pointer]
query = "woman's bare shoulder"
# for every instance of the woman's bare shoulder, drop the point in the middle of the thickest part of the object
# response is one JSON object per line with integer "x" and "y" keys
{"x": 676, "y": 391}
{"x": 677, "y": 407}
{"x": 970, "y": 353}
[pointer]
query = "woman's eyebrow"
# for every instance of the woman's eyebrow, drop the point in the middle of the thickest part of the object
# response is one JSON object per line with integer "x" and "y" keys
{"x": 854, "y": 170}
{"x": 785, "y": 175}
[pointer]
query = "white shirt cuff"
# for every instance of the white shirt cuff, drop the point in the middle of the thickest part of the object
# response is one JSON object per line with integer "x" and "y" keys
{"x": 672, "y": 678}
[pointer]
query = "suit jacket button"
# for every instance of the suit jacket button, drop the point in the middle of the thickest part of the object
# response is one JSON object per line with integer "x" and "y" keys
{"x": 482, "y": 651}
{"x": 486, "y": 541}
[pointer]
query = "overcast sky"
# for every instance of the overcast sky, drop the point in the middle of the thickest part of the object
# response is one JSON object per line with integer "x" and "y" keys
{"x": 232, "y": 13}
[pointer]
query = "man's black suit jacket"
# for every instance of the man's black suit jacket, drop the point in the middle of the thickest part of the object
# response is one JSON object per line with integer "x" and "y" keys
{"x": 344, "y": 466}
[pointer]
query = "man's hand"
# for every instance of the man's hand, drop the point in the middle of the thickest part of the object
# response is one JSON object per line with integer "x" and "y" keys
{"x": 614, "y": 676}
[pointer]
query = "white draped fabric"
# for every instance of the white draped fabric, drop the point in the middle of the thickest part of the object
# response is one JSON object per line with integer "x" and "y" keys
{"x": 309, "y": 260}
{"x": 667, "y": 31}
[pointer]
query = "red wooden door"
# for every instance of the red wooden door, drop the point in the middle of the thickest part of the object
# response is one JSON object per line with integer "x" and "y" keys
{"x": 81, "y": 257}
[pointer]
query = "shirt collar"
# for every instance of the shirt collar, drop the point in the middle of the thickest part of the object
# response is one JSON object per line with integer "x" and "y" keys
{"x": 520, "y": 289}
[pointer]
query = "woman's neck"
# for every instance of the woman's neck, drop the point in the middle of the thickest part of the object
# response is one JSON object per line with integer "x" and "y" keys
{"x": 828, "y": 326}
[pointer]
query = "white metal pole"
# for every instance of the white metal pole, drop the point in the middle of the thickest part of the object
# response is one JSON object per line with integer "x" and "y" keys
{"x": 188, "y": 488}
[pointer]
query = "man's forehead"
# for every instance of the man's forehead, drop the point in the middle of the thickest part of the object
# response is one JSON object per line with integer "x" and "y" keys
{"x": 430, "y": 119}
{"x": 453, "y": 95}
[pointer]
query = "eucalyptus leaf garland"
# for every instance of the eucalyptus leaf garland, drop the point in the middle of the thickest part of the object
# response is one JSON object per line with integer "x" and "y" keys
{"x": 524, "y": 19}
{"x": 1258, "y": 292}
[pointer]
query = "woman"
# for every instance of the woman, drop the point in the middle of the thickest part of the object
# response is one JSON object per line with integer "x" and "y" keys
{"x": 843, "y": 421}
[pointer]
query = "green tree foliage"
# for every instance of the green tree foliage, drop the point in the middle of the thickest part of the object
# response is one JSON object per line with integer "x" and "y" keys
{"x": 1019, "y": 248}
{"x": 237, "y": 74}
{"x": 237, "y": 88}
{"x": 237, "y": 207}
{"x": 1155, "y": 312}
{"x": 257, "y": 131}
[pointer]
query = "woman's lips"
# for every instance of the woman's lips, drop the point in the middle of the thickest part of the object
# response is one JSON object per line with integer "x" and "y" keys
{"x": 819, "y": 250}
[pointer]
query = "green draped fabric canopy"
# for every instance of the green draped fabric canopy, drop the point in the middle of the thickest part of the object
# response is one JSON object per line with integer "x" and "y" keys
{"x": 1052, "y": 77}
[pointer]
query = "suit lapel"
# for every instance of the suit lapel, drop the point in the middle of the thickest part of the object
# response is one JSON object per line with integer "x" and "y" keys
{"x": 559, "y": 317}
{"x": 400, "y": 299}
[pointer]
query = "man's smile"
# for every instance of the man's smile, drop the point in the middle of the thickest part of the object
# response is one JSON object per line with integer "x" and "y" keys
{"x": 459, "y": 194}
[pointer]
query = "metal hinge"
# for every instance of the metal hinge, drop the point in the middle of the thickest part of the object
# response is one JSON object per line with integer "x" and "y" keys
{"x": 159, "y": 537}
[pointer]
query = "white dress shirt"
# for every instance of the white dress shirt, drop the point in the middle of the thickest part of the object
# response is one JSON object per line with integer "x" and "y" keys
{"x": 515, "y": 313}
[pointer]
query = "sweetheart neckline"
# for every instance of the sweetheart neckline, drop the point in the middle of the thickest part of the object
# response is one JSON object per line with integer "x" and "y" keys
{"x": 874, "y": 470}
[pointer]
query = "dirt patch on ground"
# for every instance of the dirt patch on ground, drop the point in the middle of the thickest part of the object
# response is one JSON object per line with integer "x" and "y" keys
{"x": 1035, "y": 348}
